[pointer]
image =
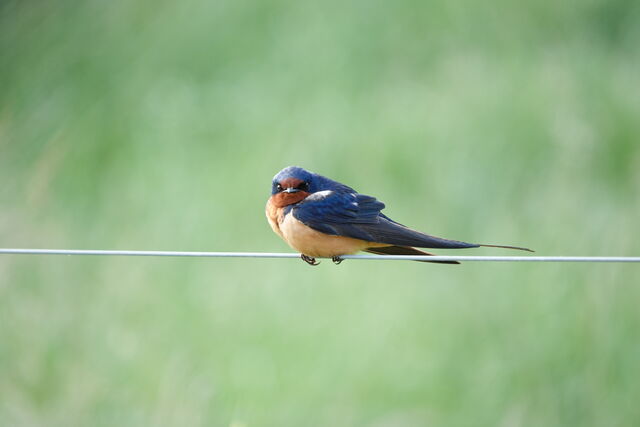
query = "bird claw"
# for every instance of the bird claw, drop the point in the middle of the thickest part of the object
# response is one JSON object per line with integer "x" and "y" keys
{"x": 336, "y": 260}
{"x": 309, "y": 260}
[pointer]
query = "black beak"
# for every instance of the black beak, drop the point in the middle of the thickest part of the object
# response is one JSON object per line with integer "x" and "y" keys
{"x": 290, "y": 190}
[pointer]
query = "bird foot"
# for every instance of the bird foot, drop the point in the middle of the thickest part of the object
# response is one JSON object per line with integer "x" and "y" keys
{"x": 336, "y": 260}
{"x": 309, "y": 260}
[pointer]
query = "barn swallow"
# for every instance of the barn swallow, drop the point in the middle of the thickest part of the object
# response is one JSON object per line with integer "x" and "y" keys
{"x": 319, "y": 217}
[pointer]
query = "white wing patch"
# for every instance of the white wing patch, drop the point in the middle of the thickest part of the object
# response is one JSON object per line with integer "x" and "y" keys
{"x": 319, "y": 195}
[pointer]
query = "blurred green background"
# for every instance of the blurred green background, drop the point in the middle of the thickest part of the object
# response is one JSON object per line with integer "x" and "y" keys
{"x": 159, "y": 125}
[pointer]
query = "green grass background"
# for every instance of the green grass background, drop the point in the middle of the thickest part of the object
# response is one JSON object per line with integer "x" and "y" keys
{"x": 159, "y": 125}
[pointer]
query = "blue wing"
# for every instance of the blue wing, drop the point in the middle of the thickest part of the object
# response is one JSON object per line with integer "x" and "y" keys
{"x": 339, "y": 213}
{"x": 358, "y": 216}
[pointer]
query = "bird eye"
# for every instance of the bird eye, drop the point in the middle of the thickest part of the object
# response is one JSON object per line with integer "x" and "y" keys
{"x": 304, "y": 186}
{"x": 279, "y": 187}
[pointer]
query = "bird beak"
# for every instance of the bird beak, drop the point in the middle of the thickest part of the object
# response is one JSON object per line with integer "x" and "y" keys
{"x": 290, "y": 190}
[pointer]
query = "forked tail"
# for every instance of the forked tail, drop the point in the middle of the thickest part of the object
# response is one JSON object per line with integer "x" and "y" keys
{"x": 404, "y": 250}
{"x": 508, "y": 247}
{"x": 408, "y": 250}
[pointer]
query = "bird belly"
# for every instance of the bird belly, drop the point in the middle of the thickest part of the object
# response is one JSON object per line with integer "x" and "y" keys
{"x": 313, "y": 243}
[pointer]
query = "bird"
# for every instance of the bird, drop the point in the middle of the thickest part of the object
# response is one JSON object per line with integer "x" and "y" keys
{"x": 322, "y": 218}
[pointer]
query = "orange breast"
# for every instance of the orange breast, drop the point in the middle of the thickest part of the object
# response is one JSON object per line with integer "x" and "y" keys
{"x": 274, "y": 216}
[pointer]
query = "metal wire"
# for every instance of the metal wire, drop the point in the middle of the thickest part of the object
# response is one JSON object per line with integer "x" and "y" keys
{"x": 10, "y": 251}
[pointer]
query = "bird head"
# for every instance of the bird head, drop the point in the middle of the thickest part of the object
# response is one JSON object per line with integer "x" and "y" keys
{"x": 291, "y": 185}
